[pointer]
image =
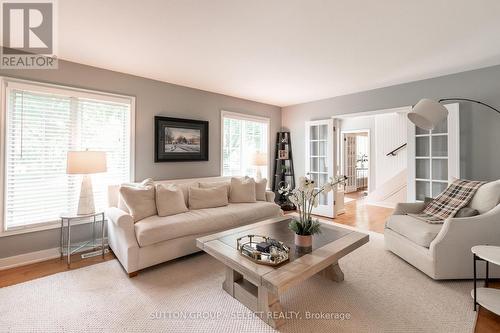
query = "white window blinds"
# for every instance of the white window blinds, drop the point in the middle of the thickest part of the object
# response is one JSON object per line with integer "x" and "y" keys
{"x": 243, "y": 137}
{"x": 40, "y": 129}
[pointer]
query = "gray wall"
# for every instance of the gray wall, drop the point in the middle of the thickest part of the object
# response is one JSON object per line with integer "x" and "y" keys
{"x": 152, "y": 98}
{"x": 479, "y": 126}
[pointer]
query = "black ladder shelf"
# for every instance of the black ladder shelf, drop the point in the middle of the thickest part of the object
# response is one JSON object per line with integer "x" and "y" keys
{"x": 283, "y": 169}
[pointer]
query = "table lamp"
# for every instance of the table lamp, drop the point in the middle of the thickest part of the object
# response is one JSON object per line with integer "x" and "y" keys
{"x": 258, "y": 160}
{"x": 85, "y": 163}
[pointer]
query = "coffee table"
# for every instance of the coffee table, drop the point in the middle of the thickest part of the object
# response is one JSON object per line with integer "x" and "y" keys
{"x": 259, "y": 287}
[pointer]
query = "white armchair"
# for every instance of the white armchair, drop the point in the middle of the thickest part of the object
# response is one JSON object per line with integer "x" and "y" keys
{"x": 443, "y": 251}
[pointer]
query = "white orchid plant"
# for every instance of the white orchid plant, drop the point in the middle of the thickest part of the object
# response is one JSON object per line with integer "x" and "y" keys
{"x": 306, "y": 197}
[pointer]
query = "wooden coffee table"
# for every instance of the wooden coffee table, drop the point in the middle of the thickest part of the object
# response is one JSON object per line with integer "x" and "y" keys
{"x": 259, "y": 287}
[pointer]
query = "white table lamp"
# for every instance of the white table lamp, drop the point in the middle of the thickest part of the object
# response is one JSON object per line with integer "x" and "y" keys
{"x": 85, "y": 163}
{"x": 258, "y": 160}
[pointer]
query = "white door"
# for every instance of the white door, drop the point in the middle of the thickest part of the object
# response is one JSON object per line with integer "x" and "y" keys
{"x": 433, "y": 156}
{"x": 319, "y": 161}
{"x": 350, "y": 162}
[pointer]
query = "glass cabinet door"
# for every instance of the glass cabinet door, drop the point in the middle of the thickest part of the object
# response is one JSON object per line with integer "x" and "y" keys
{"x": 319, "y": 153}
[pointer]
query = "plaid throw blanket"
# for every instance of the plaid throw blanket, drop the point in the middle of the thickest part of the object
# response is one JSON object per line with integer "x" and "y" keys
{"x": 448, "y": 203}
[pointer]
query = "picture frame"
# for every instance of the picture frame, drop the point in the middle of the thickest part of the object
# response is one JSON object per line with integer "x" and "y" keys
{"x": 283, "y": 154}
{"x": 180, "y": 140}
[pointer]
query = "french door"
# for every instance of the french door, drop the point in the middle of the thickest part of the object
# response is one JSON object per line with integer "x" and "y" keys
{"x": 433, "y": 156}
{"x": 319, "y": 161}
{"x": 350, "y": 162}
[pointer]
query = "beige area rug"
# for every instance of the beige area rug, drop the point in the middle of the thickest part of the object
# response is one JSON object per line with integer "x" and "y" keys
{"x": 381, "y": 293}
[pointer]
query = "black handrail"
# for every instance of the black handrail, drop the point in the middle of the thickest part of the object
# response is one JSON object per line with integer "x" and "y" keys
{"x": 393, "y": 153}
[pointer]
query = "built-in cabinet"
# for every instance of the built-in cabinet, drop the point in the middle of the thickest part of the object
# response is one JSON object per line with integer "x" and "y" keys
{"x": 433, "y": 156}
{"x": 319, "y": 160}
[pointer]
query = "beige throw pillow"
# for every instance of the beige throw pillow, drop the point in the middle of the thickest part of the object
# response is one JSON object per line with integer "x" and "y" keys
{"x": 260, "y": 189}
{"x": 207, "y": 197}
{"x": 121, "y": 202}
{"x": 487, "y": 197}
{"x": 242, "y": 190}
{"x": 139, "y": 200}
{"x": 169, "y": 200}
{"x": 227, "y": 185}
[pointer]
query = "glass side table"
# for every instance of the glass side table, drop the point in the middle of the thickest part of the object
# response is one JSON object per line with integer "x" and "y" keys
{"x": 70, "y": 219}
{"x": 486, "y": 297}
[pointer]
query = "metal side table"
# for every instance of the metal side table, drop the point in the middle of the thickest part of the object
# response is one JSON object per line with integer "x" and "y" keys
{"x": 488, "y": 298}
{"x": 70, "y": 219}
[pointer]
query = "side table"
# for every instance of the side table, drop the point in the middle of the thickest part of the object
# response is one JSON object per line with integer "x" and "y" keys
{"x": 488, "y": 298}
{"x": 69, "y": 219}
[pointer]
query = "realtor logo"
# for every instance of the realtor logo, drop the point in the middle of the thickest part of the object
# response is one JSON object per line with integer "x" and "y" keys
{"x": 28, "y": 34}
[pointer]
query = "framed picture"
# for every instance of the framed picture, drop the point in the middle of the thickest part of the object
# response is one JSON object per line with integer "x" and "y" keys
{"x": 178, "y": 140}
{"x": 283, "y": 154}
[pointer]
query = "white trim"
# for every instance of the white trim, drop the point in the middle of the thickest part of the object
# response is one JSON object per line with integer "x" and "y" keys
{"x": 29, "y": 258}
{"x": 8, "y": 83}
{"x": 402, "y": 109}
{"x": 56, "y": 224}
{"x": 242, "y": 116}
{"x": 61, "y": 89}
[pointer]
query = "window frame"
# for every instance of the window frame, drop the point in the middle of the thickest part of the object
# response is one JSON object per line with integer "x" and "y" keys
{"x": 242, "y": 116}
{"x": 7, "y": 83}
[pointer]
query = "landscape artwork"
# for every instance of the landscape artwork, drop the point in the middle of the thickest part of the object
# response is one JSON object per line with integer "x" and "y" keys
{"x": 178, "y": 140}
{"x": 182, "y": 140}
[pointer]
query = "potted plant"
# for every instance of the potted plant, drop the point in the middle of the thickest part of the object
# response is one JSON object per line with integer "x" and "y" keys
{"x": 305, "y": 197}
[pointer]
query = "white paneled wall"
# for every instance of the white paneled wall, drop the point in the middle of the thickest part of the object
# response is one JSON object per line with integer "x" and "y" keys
{"x": 390, "y": 132}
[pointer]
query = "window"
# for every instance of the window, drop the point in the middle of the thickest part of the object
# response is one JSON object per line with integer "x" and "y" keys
{"x": 245, "y": 140}
{"x": 42, "y": 125}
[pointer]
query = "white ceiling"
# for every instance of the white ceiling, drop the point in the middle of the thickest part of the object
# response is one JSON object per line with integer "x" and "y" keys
{"x": 282, "y": 52}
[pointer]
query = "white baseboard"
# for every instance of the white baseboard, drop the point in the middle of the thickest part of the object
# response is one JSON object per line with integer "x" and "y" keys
{"x": 28, "y": 258}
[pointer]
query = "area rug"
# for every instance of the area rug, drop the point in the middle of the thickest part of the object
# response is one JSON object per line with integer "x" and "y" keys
{"x": 381, "y": 293}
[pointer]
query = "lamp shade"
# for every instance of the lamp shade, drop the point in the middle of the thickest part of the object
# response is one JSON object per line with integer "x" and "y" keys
{"x": 427, "y": 114}
{"x": 259, "y": 159}
{"x": 85, "y": 162}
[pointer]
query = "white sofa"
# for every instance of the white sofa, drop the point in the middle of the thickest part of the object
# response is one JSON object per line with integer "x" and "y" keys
{"x": 443, "y": 251}
{"x": 155, "y": 239}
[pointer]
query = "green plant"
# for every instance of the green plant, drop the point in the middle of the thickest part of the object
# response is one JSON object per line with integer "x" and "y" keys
{"x": 305, "y": 228}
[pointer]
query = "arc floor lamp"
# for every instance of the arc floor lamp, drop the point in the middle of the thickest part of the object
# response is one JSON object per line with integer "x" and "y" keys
{"x": 427, "y": 113}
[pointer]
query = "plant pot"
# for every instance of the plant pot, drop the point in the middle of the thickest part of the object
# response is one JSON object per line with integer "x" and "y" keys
{"x": 303, "y": 241}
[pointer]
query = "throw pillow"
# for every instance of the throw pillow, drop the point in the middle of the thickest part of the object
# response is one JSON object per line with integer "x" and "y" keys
{"x": 260, "y": 189}
{"x": 227, "y": 185}
{"x": 139, "y": 200}
{"x": 169, "y": 200}
{"x": 121, "y": 202}
{"x": 207, "y": 197}
{"x": 486, "y": 197}
{"x": 242, "y": 190}
{"x": 466, "y": 212}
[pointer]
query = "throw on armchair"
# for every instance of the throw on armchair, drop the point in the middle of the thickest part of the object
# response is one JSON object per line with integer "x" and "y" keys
{"x": 443, "y": 251}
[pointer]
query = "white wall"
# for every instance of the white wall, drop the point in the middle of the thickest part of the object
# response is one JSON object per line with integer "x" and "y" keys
{"x": 390, "y": 132}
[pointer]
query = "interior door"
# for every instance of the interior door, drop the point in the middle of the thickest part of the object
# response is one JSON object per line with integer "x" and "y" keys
{"x": 319, "y": 161}
{"x": 433, "y": 156}
{"x": 350, "y": 162}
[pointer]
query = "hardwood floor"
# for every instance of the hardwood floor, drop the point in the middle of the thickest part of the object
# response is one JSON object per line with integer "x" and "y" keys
{"x": 37, "y": 270}
{"x": 357, "y": 214}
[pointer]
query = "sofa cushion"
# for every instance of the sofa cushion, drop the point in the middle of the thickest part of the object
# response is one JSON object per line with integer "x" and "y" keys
{"x": 216, "y": 184}
{"x": 139, "y": 200}
{"x": 260, "y": 189}
{"x": 121, "y": 203}
{"x": 486, "y": 197}
{"x": 418, "y": 231}
{"x": 242, "y": 190}
{"x": 169, "y": 200}
{"x": 200, "y": 198}
{"x": 155, "y": 229}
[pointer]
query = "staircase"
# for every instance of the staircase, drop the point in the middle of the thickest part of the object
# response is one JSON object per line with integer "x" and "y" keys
{"x": 391, "y": 192}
